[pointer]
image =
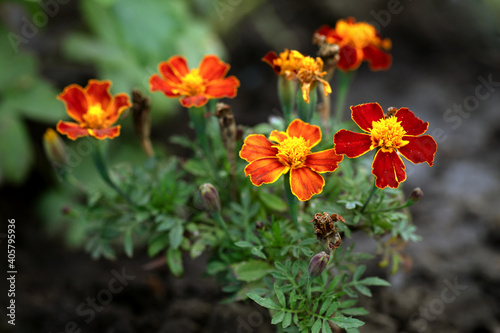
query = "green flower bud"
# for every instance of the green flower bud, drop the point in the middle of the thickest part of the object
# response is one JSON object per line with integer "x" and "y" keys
{"x": 416, "y": 195}
{"x": 54, "y": 146}
{"x": 318, "y": 264}
{"x": 210, "y": 197}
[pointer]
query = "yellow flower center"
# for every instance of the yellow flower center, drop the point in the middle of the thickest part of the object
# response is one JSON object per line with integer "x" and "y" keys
{"x": 360, "y": 35}
{"x": 95, "y": 117}
{"x": 289, "y": 61}
{"x": 387, "y": 134}
{"x": 310, "y": 69}
{"x": 193, "y": 83}
{"x": 293, "y": 152}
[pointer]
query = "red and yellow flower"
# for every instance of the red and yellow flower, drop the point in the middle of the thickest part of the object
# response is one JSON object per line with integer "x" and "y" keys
{"x": 357, "y": 41}
{"x": 289, "y": 151}
{"x": 294, "y": 65}
{"x": 195, "y": 86}
{"x": 400, "y": 132}
{"x": 94, "y": 110}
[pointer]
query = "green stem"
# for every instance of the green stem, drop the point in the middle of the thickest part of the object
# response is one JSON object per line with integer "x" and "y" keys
{"x": 293, "y": 203}
{"x": 304, "y": 109}
{"x": 286, "y": 94}
{"x": 374, "y": 187}
{"x": 217, "y": 216}
{"x": 197, "y": 116}
{"x": 98, "y": 156}
{"x": 344, "y": 81}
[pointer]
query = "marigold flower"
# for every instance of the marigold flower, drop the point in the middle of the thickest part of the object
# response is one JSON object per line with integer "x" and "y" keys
{"x": 94, "y": 109}
{"x": 196, "y": 86}
{"x": 289, "y": 151}
{"x": 358, "y": 41}
{"x": 400, "y": 132}
{"x": 293, "y": 65}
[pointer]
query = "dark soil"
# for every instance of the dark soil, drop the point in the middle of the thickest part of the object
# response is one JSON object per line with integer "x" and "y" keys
{"x": 442, "y": 53}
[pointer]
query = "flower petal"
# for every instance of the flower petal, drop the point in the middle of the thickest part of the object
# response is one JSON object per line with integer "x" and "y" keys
{"x": 158, "y": 84}
{"x": 178, "y": 65}
{"x": 212, "y": 68}
{"x": 257, "y": 146}
{"x": 190, "y": 101}
{"x": 350, "y": 58}
{"x": 168, "y": 73}
{"x": 310, "y": 133}
{"x": 98, "y": 93}
{"x": 419, "y": 149}
{"x": 269, "y": 58}
{"x": 72, "y": 130}
{"x": 120, "y": 103}
{"x": 365, "y": 114}
{"x": 389, "y": 169}
{"x": 278, "y": 136}
{"x": 378, "y": 59}
{"x": 323, "y": 161}
{"x": 305, "y": 183}
{"x": 104, "y": 133}
{"x": 265, "y": 170}
{"x": 411, "y": 124}
{"x": 223, "y": 88}
{"x": 351, "y": 144}
{"x": 76, "y": 101}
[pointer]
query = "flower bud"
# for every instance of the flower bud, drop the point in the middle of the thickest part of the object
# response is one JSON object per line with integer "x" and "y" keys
{"x": 210, "y": 197}
{"x": 318, "y": 264}
{"x": 416, "y": 195}
{"x": 55, "y": 149}
{"x": 259, "y": 225}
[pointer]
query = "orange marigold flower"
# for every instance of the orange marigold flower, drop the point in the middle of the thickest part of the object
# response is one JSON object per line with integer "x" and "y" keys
{"x": 196, "y": 86}
{"x": 400, "y": 132}
{"x": 94, "y": 109}
{"x": 293, "y": 65}
{"x": 289, "y": 151}
{"x": 357, "y": 41}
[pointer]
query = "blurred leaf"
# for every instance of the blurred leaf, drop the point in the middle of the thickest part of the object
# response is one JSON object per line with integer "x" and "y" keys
{"x": 346, "y": 322}
{"x": 158, "y": 243}
{"x": 375, "y": 281}
{"x": 174, "y": 261}
{"x": 251, "y": 270}
{"x": 278, "y": 317}
{"x": 264, "y": 302}
{"x": 317, "y": 326}
{"x": 176, "y": 235}
{"x": 128, "y": 243}
{"x": 273, "y": 202}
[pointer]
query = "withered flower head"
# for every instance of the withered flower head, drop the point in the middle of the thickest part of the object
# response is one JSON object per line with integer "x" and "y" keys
{"x": 326, "y": 231}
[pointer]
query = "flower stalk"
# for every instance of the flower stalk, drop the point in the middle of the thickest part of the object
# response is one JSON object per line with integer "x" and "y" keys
{"x": 344, "y": 82}
{"x": 293, "y": 203}
{"x": 304, "y": 109}
{"x": 286, "y": 93}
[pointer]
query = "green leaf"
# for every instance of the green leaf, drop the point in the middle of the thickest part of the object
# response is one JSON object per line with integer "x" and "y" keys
{"x": 174, "y": 261}
{"x": 251, "y": 270}
{"x": 348, "y": 303}
{"x": 350, "y": 292}
{"x": 164, "y": 222}
{"x": 364, "y": 290}
{"x": 128, "y": 243}
{"x": 280, "y": 295}
{"x": 256, "y": 252}
{"x": 243, "y": 244}
{"x": 293, "y": 299}
{"x": 332, "y": 309}
{"x": 352, "y": 330}
{"x": 326, "y": 327}
{"x": 346, "y": 322}
{"x": 375, "y": 281}
{"x": 317, "y": 326}
{"x": 264, "y": 302}
{"x": 358, "y": 272}
{"x": 273, "y": 202}
{"x": 15, "y": 148}
{"x": 176, "y": 235}
{"x": 158, "y": 243}
{"x": 278, "y": 317}
{"x": 355, "y": 312}
{"x": 324, "y": 306}
{"x": 287, "y": 320}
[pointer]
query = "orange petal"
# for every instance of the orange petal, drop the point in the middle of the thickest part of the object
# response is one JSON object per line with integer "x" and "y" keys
{"x": 365, "y": 114}
{"x": 378, "y": 60}
{"x": 351, "y": 144}
{"x": 350, "y": 58}
{"x": 257, "y": 146}
{"x": 419, "y": 149}
{"x": 265, "y": 170}
{"x": 76, "y": 101}
{"x": 178, "y": 65}
{"x": 411, "y": 124}
{"x": 212, "y": 68}
{"x": 305, "y": 183}
{"x": 278, "y": 136}
{"x": 158, "y": 84}
{"x": 101, "y": 134}
{"x": 72, "y": 130}
{"x": 310, "y": 133}
{"x": 168, "y": 73}
{"x": 120, "y": 103}
{"x": 223, "y": 88}
{"x": 98, "y": 93}
{"x": 389, "y": 169}
{"x": 269, "y": 58}
{"x": 197, "y": 101}
{"x": 323, "y": 161}
{"x": 306, "y": 87}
